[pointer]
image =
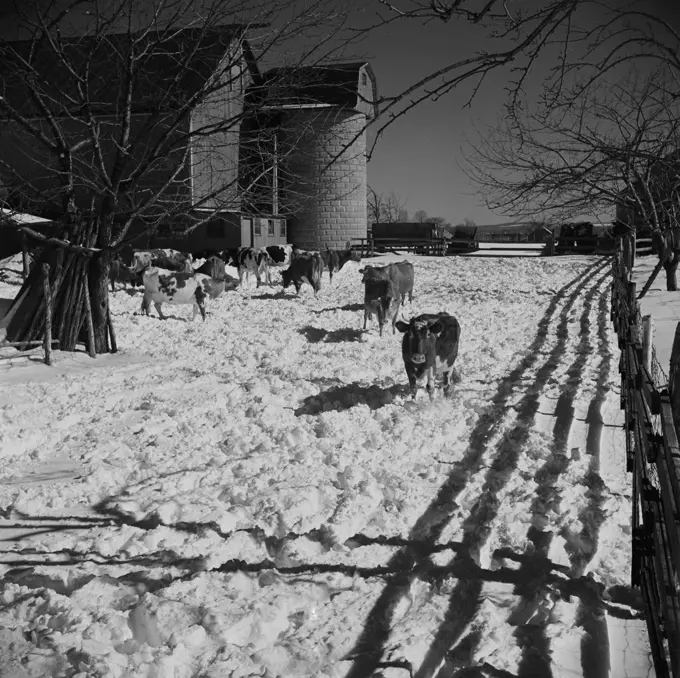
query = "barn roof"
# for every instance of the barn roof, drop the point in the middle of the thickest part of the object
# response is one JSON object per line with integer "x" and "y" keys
{"x": 176, "y": 65}
{"x": 310, "y": 86}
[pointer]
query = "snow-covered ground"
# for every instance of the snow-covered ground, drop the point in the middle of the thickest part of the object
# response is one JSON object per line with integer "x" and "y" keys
{"x": 257, "y": 496}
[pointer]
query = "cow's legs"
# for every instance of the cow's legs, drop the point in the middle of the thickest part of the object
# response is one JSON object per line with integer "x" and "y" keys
{"x": 412, "y": 383}
{"x": 381, "y": 318}
{"x": 365, "y": 317}
{"x": 146, "y": 304}
{"x": 158, "y": 308}
{"x": 430, "y": 383}
{"x": 446, "y": 379}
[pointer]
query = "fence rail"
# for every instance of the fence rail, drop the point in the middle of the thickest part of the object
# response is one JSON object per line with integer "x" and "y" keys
{"x": 653, "y": 458}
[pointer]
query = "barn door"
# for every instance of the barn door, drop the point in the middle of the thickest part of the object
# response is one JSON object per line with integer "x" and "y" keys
{"x": 259, "y": 232}
{"x": 246, "y": 232}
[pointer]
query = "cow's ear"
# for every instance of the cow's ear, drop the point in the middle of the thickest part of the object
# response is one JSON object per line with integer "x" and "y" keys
{"x": 436, "y": 327}
{"x": 401, "y": 326}
{"x": 361, "y": 270}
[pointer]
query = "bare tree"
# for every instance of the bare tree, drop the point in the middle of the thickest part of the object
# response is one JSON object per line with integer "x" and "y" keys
{"x": 385, "y": 209}
{"x": 125, "y": 115}
{"x": 609, "y": 146}
{"x": 420, "y": 216}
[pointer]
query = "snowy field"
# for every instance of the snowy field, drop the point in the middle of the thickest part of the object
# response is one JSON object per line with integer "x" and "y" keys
{"x": 257, "y": 496}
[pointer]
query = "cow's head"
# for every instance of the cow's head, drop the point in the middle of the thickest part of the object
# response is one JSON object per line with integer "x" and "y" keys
{"x": 367, "y": 272}
{"x": 420, "y": 336}
{"x": 286, "y": 277}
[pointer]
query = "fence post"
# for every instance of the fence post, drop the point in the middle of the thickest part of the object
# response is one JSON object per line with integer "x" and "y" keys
{"x": 550, "y": 245}
{"x": 25, "y": 268}
{"x": 674, "y": 378}
{"x": 88, "y": 321}
{"x": 48, "y": 314}
{"x": 647, "y": 341}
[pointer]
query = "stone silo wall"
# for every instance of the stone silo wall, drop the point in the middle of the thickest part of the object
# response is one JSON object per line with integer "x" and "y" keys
{"x": 327, "y": 205}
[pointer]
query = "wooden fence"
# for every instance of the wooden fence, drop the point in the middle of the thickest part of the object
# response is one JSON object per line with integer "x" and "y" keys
{"x": 653, "y": 458}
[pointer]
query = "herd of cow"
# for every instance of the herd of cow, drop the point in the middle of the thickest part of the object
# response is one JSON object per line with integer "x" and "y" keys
{"x": 430, "y": 342}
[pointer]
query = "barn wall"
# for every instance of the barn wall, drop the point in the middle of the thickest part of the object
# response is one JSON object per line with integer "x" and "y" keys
{"x": 34, "y": 168}
{"x": 215, "y": 158}
{"x": 327, "y": 205}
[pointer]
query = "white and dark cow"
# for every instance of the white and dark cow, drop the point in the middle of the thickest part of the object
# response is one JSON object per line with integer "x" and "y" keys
{"x": 381, "y": 298}
{"x": 167, "y": 259}
{"x": 429, "y": 348}
{"x": 278, "y": 256}
{"x": 248, "y": 260}
{"x": 304, "y": 268}
{"x": 401, "y": 273}
{"x": 178, "y": 287}
{"x": 334, "y": 260}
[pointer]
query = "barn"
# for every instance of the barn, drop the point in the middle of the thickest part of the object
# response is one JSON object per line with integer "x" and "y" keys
{"x": 262, "y": 181}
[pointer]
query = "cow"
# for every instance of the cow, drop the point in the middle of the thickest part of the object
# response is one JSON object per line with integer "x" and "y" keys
{"x": 429, "y": 348}
{"x": 306, "y": 268}
{"x": 212, "y": 266}
{"x": 401, "y": 273}
{"x": 119, "y": 272}
{"x": 248, "y": 260}
{"x": 279, "y": 255}
{"x": 178, "y": 287}
{"x": 169, "y": 260}
{"x": 334, "y": 260}
{"x": 381, "y": 298}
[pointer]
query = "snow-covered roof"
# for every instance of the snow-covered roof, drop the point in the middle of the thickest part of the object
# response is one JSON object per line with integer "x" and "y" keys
{"x": 22, "y": 219}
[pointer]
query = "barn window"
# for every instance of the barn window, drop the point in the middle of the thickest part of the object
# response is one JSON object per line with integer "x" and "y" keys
{"x": 270, "y": 227}
{"x": 282, "y": 229}
{"x": 215, "y": 230}
{"x": 257, "y": 227}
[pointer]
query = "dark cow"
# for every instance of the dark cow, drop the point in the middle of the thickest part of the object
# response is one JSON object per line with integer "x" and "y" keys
{"x": 381, "y": 298}
{"x": 429, "y": 348}
{"x": 401, "y": 273}
{"x": 178, "y": 287}
{"x": 169, "y": 260}
{"x": 334, "y": 260}
{"x": 248, "y": 260}
{"x": 119, "y": 272}
{"x": 212, "y": 266}
{"x": 306, "y": 268}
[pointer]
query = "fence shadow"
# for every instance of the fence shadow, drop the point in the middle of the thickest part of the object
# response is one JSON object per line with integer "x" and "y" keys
{"x": 465, "y": 598}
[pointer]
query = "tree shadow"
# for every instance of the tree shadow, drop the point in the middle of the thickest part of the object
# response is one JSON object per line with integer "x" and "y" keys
{"x": 341, "y": 398}
{"x": 317, "y": 334}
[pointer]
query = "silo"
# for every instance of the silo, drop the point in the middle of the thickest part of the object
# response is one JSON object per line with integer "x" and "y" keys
{"x": 324, "y": 180}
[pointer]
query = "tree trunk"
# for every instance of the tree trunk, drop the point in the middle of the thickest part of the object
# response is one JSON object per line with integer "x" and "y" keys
{"x": 99, "y": 296}
{"x": 671, "y": 267}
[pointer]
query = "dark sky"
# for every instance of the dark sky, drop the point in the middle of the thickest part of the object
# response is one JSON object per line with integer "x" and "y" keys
{"x": 419, "y": 156}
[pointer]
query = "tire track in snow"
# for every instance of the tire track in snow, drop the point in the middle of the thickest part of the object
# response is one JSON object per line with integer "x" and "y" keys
{"x": 531, "y": 637}
{"x": 466, "y": 597}
{"x": 370, "y": 646}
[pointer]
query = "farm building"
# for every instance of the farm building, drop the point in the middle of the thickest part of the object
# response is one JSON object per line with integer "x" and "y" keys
{"x": 262, "y": 180}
